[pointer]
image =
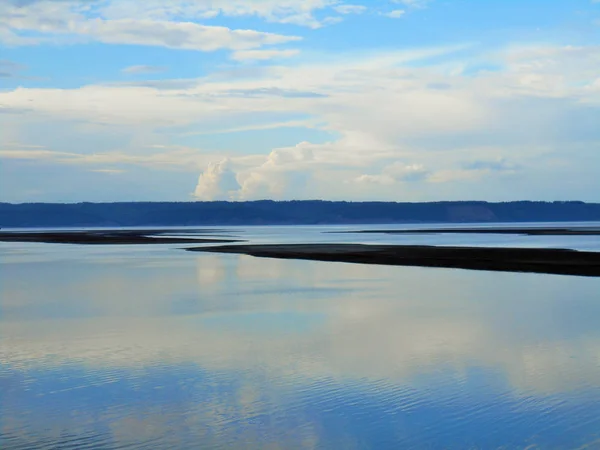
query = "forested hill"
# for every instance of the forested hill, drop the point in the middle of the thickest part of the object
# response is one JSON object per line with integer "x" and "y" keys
{"x": 286, "y": 213}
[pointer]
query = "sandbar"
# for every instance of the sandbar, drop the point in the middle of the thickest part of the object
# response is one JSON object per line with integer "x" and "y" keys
{"x": 522, "y": 231}
{"x": 115, "y": 237}
{"x": 546, "y": 261}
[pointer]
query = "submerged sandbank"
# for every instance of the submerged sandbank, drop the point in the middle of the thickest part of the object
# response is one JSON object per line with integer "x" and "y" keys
{"x": 548, "y": 261}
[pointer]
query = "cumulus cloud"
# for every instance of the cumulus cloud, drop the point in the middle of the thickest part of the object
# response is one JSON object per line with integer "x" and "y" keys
{"x": 281, "y": 172}
{"x": 284, "y": 172}
{"x": 301, "y": 171}
{"x": 217, "y": 182}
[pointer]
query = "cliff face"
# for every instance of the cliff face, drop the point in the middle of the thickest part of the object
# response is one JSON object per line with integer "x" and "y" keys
{"x": 286, "y": 213}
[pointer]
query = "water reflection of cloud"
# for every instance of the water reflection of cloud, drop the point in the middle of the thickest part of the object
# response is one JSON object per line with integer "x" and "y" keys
{"x": 211, "y": 270}
{"x": 311, "y": 319}
{"x": 216, "y": 350}
{"x": 181, "y": 406}
{"x": 377, "y": 346}
{"x": 185, "y": 406}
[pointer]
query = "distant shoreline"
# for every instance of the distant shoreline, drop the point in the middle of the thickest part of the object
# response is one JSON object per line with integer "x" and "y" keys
{"x": 300, "y": 212}
{"x": 543, "y": 261}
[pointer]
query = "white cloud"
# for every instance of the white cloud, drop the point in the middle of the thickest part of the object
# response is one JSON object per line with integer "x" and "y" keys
{"x": 350, "y": 9}
{"x": 72, "y": 21}
{"x": 298, "y": 12}
{"x": 265, "y": 126}
{"x": 217, "y": 182}
{"x": 132, "y": 21}
{"x": 379, "y": 110}
{"x": 289, "y": 171}
{"x": 407, "y": 172}
{"x": 395, "y": 173}
{"x": 176, "y": 159}
{"x": 300, "y": 89}
{"x": 262, "y": 55}
{"x": 375, "y": 179}
{"x": 283, "y": 169}
{"x": 180, "y": 35}
{"x": 395, "y": 14}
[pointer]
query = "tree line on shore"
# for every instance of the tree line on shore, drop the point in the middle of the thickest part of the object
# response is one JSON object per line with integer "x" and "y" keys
{"x": 305, "y": 212}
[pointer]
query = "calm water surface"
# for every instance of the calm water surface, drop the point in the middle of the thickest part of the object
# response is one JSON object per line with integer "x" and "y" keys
{"x": 344, "y": 233}
{"x": 150, "y": 347}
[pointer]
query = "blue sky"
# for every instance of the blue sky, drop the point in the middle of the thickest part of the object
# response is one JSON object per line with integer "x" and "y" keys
{"x": 407, "y": 100}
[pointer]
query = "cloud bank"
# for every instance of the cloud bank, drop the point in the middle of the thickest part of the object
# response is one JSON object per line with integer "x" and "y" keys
{"x": 441, "y": 122}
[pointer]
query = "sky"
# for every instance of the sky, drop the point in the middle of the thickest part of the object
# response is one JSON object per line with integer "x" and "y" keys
{"x": 392, "y": 100}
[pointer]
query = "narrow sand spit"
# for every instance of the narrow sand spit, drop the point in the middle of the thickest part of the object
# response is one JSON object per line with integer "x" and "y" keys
{"x": 107, "y": 237}
{"x": 549, "y": 261}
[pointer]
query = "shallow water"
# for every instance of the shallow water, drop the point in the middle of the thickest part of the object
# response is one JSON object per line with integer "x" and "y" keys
{"x": 344, "y": 233}
{"x": 151, "y": 347}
